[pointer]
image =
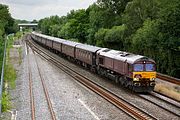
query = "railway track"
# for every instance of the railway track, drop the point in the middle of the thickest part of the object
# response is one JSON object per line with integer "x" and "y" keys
{"x": 168, "y": 78}
{"x": 172, "y": 106}
{"x": 116, "y": 100}
{"x": 166, "y": 99}
{"x": 53, "y": 117}
{"x": 31, "y": 90}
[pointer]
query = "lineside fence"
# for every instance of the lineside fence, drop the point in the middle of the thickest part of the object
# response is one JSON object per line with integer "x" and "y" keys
{"x": 2, "y": 75}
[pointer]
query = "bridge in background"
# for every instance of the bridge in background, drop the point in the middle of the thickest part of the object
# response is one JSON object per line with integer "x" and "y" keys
{"x": 28, "y": 25}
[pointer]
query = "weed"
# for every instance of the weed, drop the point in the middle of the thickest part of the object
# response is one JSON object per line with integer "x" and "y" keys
{"x": 6, "y": 104}
{"x": 166, "y": 90}
{"x": 20, "y": 55}
{"x": 10, "y": 75}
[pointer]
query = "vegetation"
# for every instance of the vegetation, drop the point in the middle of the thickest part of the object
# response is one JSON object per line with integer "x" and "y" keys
{"x": 6, "y": 105}
{"x": 7, "y": 26}
{"x": 20, "y": 55}
{"x": 10, "y": 72}
{"x": 146, "y": 27}
{"x": 168, "y": 90}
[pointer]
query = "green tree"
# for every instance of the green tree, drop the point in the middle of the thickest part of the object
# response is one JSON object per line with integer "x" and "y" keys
{"x": 137, "y": 11}
{"x": 115, "y": 37}
{"x": 169, "y": 20}
{"x": 99, "y": 37}
{"x": 6, "y": 20}
{"x": 160, "y": 40}
{"x": 69, "y": 29}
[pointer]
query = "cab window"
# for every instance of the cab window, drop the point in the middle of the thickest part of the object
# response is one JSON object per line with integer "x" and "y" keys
{"x": 138, "y": 67}
{"x": 149, "y": 67}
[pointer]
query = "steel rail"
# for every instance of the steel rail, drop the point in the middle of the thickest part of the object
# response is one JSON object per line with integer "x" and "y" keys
{"x": 173, "y": 103}
{"x": 123, "y": 105}
{"x": 166, "y": 96}
{"x": 31, "y": 89}
{"x": 166, "y": 109}
{"x": 168, "y": 78}
{"x": 53, "y": 116}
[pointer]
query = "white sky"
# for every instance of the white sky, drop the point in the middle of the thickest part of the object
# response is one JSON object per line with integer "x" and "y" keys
{"x": 37, "y": 9}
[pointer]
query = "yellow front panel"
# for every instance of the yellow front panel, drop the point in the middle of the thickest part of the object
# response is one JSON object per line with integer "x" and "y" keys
{"x": 145, "y": 74}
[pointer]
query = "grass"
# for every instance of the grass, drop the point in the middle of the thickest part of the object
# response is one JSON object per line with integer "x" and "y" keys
{"x": 20, "y": 55}
{"x": 9, "y": 77}
{"x": 6, "y": 104}
{"x": 169, "y": 91}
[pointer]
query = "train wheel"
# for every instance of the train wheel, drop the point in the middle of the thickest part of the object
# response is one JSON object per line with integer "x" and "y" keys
{"x": 117, "y": 80}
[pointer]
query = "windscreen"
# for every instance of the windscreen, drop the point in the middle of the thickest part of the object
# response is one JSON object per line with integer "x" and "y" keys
{"x": 149, "y": 67}
{"x": 138, "y": 67}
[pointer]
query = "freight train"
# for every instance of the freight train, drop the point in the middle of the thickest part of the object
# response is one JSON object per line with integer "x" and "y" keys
{"x": 136, "y": 72}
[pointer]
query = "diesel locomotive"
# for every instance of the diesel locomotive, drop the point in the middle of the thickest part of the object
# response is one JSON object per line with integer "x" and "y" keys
{"x": 136, "y": 72}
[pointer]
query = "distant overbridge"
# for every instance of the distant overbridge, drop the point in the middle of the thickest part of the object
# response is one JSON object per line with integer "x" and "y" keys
{"x": 33, "y": 26}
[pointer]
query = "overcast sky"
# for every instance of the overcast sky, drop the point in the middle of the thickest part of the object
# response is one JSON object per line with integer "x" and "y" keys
{"x": 37, "y": 9}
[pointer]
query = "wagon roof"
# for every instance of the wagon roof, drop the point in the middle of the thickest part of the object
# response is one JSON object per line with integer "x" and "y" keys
{"x": 71, "y": 43}
{"x": 59, "y": 40}
{"x": 35, "y": 33}
{"x": 41, "y": 35}
{"x": 88, "y": 47}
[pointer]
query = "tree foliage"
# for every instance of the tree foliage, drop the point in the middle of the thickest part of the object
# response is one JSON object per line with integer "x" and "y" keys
{"x": 146, "y": 27}
{"x": 7, "y": 26}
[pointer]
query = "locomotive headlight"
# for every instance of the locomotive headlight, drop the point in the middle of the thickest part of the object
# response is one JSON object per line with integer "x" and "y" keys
{"x": 152, "y": 79}
{"x": 136, "y": 79}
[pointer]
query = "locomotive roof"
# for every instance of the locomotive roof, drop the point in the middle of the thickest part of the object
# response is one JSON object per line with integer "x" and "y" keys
{"x": 88, "y": 47}
{"x": 122, "y": 56}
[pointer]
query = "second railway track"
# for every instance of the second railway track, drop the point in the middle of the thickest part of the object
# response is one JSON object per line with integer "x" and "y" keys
{"x": 32, "y": 97}
{"x": 171, "y": 107}
{"x": 31, "y": 90}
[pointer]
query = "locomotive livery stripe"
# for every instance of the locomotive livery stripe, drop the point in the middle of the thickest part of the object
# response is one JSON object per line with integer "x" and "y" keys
{"x": 144, "y": 74}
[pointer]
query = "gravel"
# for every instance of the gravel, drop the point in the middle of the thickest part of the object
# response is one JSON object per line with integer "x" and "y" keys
{"x": 20, "y": 96}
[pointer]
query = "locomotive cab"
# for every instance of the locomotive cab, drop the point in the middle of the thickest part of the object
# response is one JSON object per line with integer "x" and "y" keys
{"x": 144, "y": 74}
